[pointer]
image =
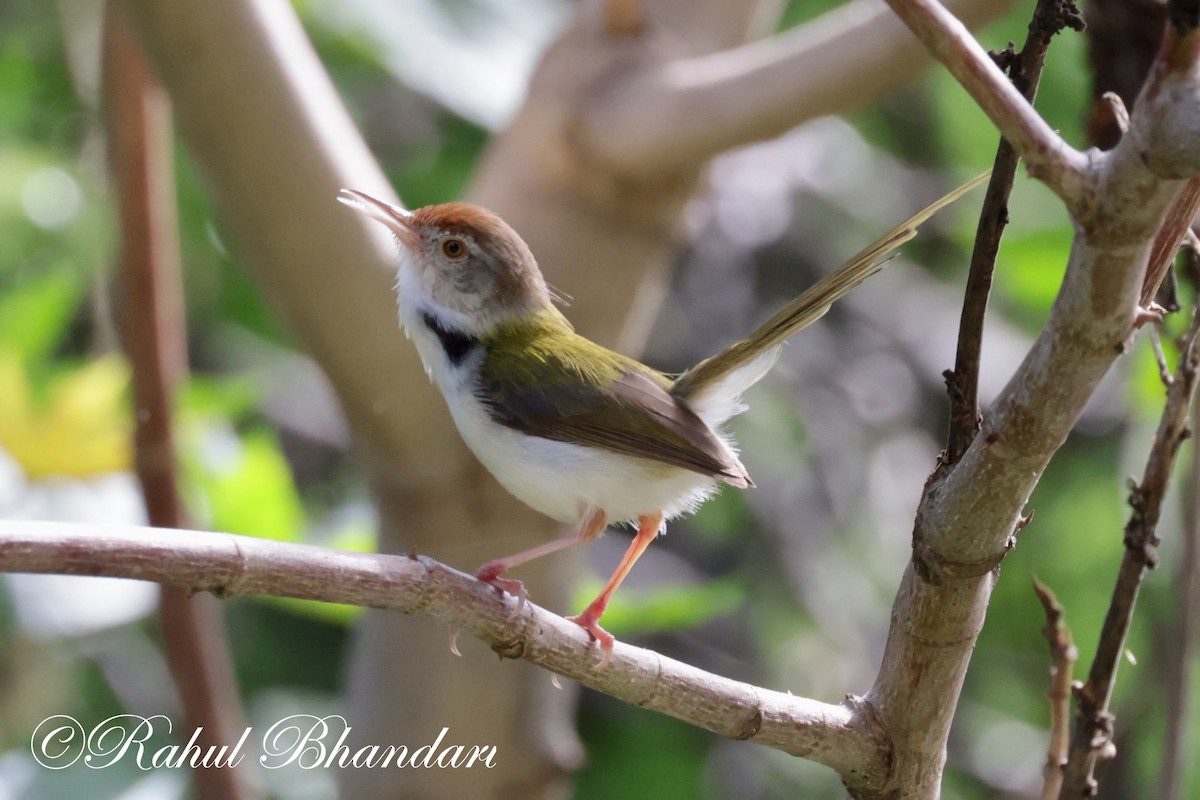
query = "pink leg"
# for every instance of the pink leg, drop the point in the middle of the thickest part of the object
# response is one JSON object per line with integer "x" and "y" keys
{"x": 648, "y": 528}
{"x": 593, "y": 525}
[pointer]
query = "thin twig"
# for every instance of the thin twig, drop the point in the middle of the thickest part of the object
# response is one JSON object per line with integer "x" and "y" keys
{"x": 1062, "y": 659}
{"x": 962, "y": 383}
{"x": 1177, "y": 754}
{"x": 1094, "y": 722}
{"x": 845, "y": 737}
{"x": 139, "y": 126}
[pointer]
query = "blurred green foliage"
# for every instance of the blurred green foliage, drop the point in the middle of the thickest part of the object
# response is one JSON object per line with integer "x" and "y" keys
{"x": 57, "y": 318}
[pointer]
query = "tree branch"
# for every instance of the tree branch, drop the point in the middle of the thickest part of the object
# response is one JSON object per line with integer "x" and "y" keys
{"x": 967, "y": 518}
{"x": 1182, "y": 634}
{"x": 1063, "y": 655}
{"x": 845, "y": 737}
{"x": 1178, "y": 673}
{"x": 1046, "y": 155}
{"x": 1092, "y": 739}
{"x": 831, "y": 65}
{"x": 962, "y": 383}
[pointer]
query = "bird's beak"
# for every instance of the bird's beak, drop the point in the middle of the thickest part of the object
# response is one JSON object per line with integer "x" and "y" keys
{"x": 398, "y": 220}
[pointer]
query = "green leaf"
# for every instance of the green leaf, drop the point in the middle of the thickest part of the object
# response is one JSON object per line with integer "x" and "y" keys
{"x": 248, "y": 487}
{"x": 35, "y": 312}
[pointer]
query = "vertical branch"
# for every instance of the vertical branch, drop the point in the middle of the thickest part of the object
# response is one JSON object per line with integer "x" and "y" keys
{"x": 962, "y": 384}
{"x": 153, "y": 333}
{"x": 1177, "y": 753}
{"x": 1092, "y": 737}
{"x": 1063, "y": 655}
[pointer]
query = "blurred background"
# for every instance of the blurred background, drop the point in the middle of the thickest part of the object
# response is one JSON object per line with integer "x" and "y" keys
{"x": 788, "y": 586}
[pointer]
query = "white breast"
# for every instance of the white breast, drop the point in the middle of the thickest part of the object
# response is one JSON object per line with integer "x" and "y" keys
{"x": 561, "y": 480}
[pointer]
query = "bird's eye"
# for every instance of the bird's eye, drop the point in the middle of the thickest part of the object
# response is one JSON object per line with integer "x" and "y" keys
{"x": 454, "y": 248}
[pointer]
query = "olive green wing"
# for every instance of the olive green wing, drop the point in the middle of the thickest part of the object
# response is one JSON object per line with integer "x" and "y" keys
{"x": 618, "y": 405}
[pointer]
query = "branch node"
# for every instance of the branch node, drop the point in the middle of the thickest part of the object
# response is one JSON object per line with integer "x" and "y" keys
{"x": 752, "y": 726}
{"x": 934, "y": 569}
{"x": 514, "y": 649}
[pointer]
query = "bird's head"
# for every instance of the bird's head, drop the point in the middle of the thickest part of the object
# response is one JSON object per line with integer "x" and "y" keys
{"x": 460, "y": 261}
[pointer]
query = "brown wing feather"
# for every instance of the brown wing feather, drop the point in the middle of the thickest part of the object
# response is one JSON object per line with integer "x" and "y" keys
{"x": 633, "y": 415}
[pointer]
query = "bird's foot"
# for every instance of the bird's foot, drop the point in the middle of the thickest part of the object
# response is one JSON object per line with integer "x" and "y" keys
{"x": 590, "y": 622}
{"x": 490, "y": 573}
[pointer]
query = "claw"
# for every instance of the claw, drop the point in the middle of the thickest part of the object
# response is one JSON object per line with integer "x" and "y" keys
{"x": 454, "y": 632}
{"x": 490, "y": 573}
{"x": 602, "y": 637}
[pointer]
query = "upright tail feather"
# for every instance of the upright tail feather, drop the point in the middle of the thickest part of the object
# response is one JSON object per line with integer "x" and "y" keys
{"x": 806, "y": 309}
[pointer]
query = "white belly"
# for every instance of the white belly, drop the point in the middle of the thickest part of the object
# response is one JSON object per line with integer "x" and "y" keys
{"x": 561, "y": 480}
{"x": 567, "y": 481}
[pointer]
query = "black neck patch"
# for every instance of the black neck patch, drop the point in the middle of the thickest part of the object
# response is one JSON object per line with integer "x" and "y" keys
{"x": 456, "y": 344}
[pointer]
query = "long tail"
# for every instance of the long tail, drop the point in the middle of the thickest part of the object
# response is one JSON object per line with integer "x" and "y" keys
{"x": 807, "y": 308}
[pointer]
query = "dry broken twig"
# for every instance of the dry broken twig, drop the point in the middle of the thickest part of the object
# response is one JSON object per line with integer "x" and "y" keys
{"x": 1063, "y": 655}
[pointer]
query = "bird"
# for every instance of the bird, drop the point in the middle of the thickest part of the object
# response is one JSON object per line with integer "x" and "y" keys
{"x": 578, "y": 432}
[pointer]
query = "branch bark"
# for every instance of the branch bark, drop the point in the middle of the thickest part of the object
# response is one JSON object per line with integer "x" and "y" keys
{"x": 1046, "y": 155}
{"x": 968, "y": 518}
{"x": 845, "y": 737}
